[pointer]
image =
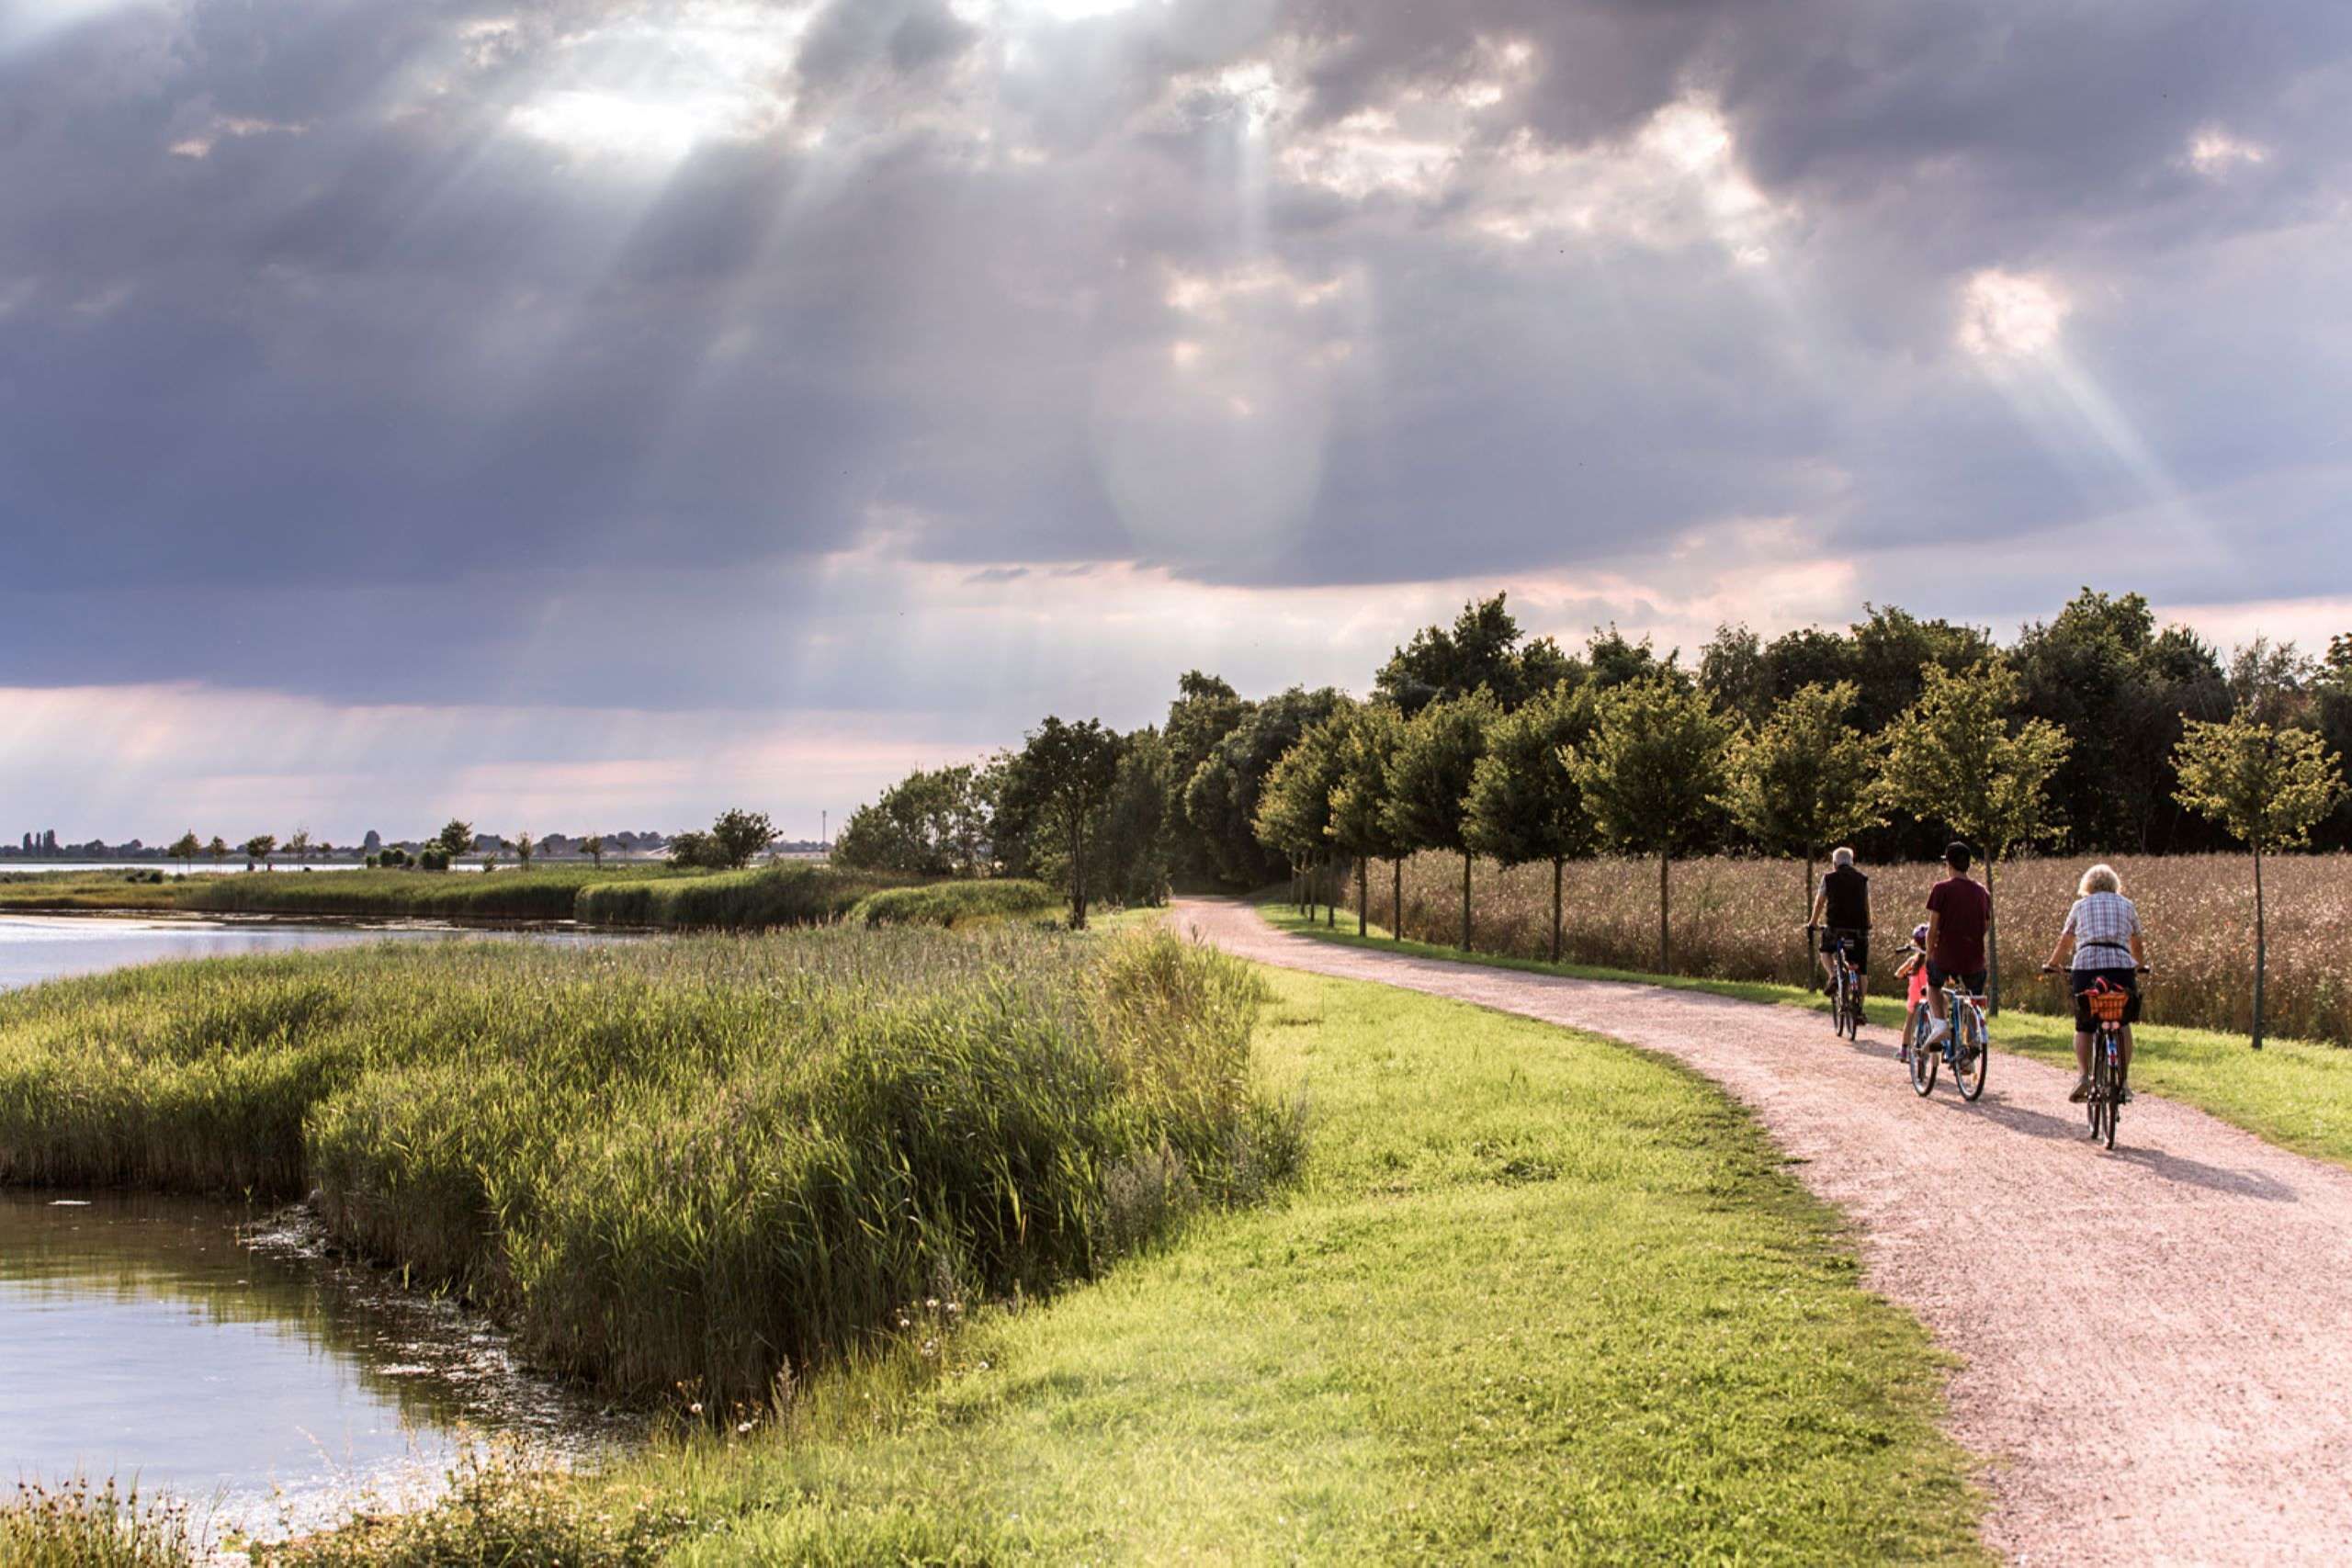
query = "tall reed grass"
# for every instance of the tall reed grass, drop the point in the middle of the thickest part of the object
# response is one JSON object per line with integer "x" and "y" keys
{"x": 734, "y": 900}
{"x": 701, "y": 1162}
{"x": 1735, "y": 919}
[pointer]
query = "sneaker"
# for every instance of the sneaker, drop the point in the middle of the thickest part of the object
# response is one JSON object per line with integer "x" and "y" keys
{"x": 1939, "y": 1033}
{"x": 2125, "y": 1097}
{"x": 1903, "y": 1057}
{"x": 2082, "y": 1091}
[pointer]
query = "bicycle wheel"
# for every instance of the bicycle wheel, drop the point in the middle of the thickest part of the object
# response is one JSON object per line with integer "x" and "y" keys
{"x": 1969, "y": 1059}
{"x": 2114, "y": 1104}
{"x": 1924, "y": 1058}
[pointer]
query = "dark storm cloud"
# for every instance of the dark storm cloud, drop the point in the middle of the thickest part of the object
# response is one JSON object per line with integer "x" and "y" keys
{"x": 398, "y": 334}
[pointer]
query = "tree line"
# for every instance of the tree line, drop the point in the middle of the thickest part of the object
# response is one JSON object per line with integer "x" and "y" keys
{"x": 2096, "y": 730}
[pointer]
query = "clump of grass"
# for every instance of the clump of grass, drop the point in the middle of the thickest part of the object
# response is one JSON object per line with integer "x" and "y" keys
{"x": 701, "y": 1162}
{"x": 956, "y": 903}
{"x": 79, "y": 1526}
{"x": 735, "y": 900}
{"x": 498, "y": 1509}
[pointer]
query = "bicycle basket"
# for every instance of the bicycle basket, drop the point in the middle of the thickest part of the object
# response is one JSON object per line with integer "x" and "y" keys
{"x": 2107, "y": 1006}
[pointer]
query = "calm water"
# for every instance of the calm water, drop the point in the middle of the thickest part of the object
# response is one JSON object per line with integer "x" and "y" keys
{"x": 43, "y": 947}
{"x": 165, "y": 1341}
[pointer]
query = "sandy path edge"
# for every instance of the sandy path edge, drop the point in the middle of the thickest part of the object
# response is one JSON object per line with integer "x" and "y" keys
{"x": 2154, "y": 1338}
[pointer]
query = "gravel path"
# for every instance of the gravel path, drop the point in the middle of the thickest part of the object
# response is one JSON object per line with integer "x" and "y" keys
{"x": 2158, "y": 1340}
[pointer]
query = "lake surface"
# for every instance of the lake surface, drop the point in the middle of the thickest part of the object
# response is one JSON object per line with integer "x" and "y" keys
{"x": 174, "y": 1343}
{"x": 45, "y": 947}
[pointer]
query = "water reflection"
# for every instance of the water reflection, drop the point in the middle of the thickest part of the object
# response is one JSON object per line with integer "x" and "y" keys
{"x": 46, "y": 947}
{"x": 153, "y": 1339}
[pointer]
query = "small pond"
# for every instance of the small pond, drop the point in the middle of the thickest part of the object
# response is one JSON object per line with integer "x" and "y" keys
{"x": 181, "y": 1346}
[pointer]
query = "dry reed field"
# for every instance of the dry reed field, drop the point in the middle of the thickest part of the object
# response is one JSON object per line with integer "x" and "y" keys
{"x": 1735, "y": 919}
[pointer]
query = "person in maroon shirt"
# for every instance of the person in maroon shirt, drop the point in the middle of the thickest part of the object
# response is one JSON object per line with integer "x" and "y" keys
{"x": 1959, "y": 912}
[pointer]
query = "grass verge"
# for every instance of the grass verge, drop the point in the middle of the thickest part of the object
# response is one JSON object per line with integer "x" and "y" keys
{"x": 2293, "y": 1093}
{"x": 1534, "y": 1296}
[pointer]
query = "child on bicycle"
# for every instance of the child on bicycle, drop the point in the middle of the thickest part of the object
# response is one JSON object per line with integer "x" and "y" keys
{"x": 1914, "y": 969}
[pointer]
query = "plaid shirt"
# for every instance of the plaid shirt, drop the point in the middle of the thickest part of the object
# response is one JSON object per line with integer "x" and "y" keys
{"x": 2103, "y": 925}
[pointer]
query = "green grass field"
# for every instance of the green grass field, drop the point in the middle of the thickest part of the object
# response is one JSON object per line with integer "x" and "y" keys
{"x": 2294, "y": 1093}
{"x": 1535, "y": 1296}
{"x": 958, "y": 904}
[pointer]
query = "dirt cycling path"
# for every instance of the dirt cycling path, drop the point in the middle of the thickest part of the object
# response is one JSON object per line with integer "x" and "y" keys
{"x": 2158, "y": 1341}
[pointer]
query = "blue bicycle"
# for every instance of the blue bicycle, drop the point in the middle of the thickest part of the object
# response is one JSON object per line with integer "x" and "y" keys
{"x": 1965, "y": 1048}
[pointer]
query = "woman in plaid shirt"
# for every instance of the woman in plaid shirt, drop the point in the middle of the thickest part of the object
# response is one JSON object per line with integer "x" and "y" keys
{"x": 2101, "y": 941}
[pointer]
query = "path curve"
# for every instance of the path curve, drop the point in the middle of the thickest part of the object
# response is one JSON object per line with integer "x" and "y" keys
{"x": 2157, "y": 1341}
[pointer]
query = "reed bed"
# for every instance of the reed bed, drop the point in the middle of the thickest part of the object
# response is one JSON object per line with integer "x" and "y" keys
{"x": 701, "y": 1163}
{"x": 1735, "y": 919}
{"x": 957, "y": 903}
{"x": 735, "y": 900}
{"x": 547, "y": 894}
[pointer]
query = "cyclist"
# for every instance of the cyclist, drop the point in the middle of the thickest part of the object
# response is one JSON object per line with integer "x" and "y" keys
{"x": 1841, "y": 911}
{"x": 2100, "y": 944}
{"x": 1959, "y": 912}
{"x": 1913, "y": 971}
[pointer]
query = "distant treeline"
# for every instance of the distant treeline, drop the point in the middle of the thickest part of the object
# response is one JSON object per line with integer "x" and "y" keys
{"x": 1183, "y": 800}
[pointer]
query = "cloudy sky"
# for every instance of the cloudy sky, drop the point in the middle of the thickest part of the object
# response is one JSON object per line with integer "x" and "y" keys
{"x": 586, "y": 414}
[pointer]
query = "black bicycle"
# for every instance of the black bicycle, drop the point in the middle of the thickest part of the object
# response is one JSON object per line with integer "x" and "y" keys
{"x": 2111, "y": 1072}
{"x": 1845, "y": 987}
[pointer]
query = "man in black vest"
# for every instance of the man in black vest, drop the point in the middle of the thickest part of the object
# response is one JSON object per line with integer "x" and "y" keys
{"x": 1842, "y": 909}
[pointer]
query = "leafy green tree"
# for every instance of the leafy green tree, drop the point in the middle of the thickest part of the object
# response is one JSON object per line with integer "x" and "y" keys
{"x": 1205, "y": 711}
{"x": 1061, "y": 782}
{"x": 1955, "y": 757}
{"x": 184, "y": 848}
{"x": 1611, "y": 659}
{"x": 1523, "y": 804}
{"x": 1736, "y": 676}
{"x": 1483, "y": 647}
{"x": 1137, "y": 832}
{"x": 693, "y": 851}
{"x": 297, "y": 843}
{"x": 592, "y": 846}
{"x": 1294, "y": 807}
{"x": 1430, "y": 777}
{"x": 456, "y": 839}
{"x": 2269, "y": 683}
{"x": 1359, "y": 824}
{"x": 216, "y": 849}
{"x": 1652, "y": 774}
{"x": 258, "y": 849}
{"x": 1806, "y": 780}
{"x": 1221, "y": 797}
{"x": 525, "y": 848}
{"x": 935, "y": 822}
{"x": 1891, "y": 650}
{"x": 738, "y": 838}
{"x": 2268, "y": 789}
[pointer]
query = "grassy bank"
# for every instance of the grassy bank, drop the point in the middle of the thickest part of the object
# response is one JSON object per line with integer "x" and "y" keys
{"x": 2294, "y": 1093}
{"x": 549, "y": 894}
{"x": 30, "y": 892}
{"x": 678, "y": 1163}
{"x": 957, "y": 903}
{"x": 1534, "y": 1295}
{"x": 1735, "y": 919}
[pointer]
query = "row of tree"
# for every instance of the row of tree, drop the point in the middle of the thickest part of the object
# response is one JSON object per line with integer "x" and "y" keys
{"x": 2095, "y": 729}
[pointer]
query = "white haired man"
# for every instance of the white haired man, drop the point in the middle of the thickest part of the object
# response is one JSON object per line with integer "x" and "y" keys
{"x": 1841, "y": 912}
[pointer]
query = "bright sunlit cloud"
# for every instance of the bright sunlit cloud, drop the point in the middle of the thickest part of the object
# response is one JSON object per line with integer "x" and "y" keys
{"x": 2214, "y": 152}
{"x": 2010, "y": 315}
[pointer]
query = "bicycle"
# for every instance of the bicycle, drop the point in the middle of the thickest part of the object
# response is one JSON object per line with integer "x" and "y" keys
{"x": 1845, "y": 986}
{"x": 2110, "y": 1086}
{"x": 1966, "y": 1049}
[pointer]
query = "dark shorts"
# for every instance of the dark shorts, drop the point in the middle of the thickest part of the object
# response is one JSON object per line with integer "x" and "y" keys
{"x": 1972, "y": 982}
{"x": 1860, "y": 939}
{"x": 2084, "y": 979}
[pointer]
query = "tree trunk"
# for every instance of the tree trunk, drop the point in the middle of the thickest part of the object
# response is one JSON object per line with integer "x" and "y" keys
{"x": 1466, "y": 900}
{"x": 1804, "y": 965}
{"x": 1330, "y": 892}
{"x": 1559, "y": 871}
{"x": 1992, "y": 945}
{"x": 1363, "y": 898}
{"x": 2261, "y": 945}
{"x": 1396, "y": 904}
{"x": 1076, "y": 881}
{"x": 1665, "y": 904}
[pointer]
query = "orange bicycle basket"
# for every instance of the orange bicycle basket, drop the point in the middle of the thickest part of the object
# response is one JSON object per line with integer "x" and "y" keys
{"x": 2107, "y": 1005}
